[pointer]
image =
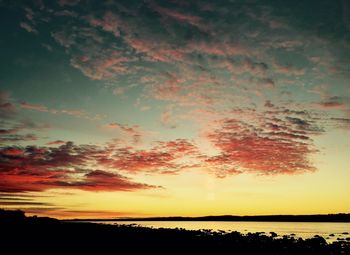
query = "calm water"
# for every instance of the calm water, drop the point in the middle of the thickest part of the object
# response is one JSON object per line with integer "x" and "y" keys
{"x": 300, "y": 229}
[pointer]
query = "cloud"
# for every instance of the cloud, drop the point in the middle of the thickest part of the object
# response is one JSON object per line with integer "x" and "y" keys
{"x": 109, "y": 23}
{"x": 13, "y": 128}
{"x": 63, "y": 38}
{"x": 64, "y": 213}
{"x": 334, "y": 102}
{"x": 13, "y": 131}
{"x": 289, "y": 70}
{"x": 12, "y": 151}
{"x": 167, "y": 119}
{"x": 42, "y": 168}
{"x": 101, "y": 68}
{"x": 343, "y": 123}
{"x": 120, "y": 44}
{"x": 68, "y": 2}
{"x": 29, "y": 28}
{"x": 271, "y": 142}
{"x": 181, "y": 17}
{"x": 216, "y": 48}
{"x": 22, "y": 203}
{"x": 130, "y": 160}
{"x": 71, "y": 112}
{"x": 135, "y": 132}
{"x": 123, "y": 127}
{"x": 163, "y": 157}
{"x": 36, "y": 107}
{"x": 245, "y": 149}
{"x": 269, "y": 104}
{"x": 56, "y": 142}
{"x": 13, "y": 138}
{"x": 7, "y": 108}
{"x": 205, "y": 58}
{"x": 287, "y": 44}
{"x": 34, "y": 169}
{"x": 103, "y": 181}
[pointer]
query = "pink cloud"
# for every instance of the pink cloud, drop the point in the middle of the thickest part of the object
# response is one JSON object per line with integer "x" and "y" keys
{"x": 244, "y": 148}
{"x": 289, "y": 70}
{"x": 332, "y": 102}
{"x": 333, "y": 105}
{"x": 71, "y": 112}
{"x": 101, "y": 67}
{"x": 167, "y": 119}
{"x": 269, "y": 142}
{"x": 125, "y": 128}
{"x": 182, "y": 17}
{"x": 12, "y": 151}
{"x": 56, "y": 142}
{"x": 162, "y": 158}
{"x": 287, "y": 44}
{"x": 156, "y": 51}
{"x": 36, "y": 107}
{"x": 42, "y": 168}
{"x": 109, "y": 23}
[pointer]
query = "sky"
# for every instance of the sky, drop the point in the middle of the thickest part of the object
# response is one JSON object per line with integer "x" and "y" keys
{"x": 135, "y": 108}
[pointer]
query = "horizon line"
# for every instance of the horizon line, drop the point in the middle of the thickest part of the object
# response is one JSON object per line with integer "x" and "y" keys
{"x": 268, "y": 217}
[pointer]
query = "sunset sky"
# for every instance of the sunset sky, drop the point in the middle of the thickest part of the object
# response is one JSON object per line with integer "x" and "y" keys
{"x": 163, "y": 108}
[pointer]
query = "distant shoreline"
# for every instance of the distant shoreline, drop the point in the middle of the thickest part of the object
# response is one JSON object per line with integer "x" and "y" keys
{"x": 340, "y": 218}
{"x": 43, "y": 235}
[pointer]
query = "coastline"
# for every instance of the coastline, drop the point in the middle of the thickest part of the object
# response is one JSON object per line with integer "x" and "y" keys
{"x": 341, "y": 217}
{"x": 35, "y": 233}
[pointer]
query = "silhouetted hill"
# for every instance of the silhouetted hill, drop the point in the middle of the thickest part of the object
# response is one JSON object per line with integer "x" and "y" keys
{"x": 272, "y": 218}
{"x": 35, "y": 235}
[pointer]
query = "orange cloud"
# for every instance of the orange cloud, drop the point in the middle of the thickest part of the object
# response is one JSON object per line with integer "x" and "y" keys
{"x": 42, "y": 168}
{"x": 56, "y": 142}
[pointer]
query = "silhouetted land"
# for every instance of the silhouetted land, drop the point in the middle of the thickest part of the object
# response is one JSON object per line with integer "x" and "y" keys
{"x": 342, "y": 217}
{"x": 50, "y": 236}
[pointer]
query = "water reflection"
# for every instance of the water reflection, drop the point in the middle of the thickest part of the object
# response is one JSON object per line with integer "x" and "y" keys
{"x": 329, "y": 230}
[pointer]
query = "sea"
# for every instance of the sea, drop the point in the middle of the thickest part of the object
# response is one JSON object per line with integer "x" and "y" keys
{"x": 329, "y": 230}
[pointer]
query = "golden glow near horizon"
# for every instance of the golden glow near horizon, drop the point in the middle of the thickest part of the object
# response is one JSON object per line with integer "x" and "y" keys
{"x": 170, "y": 108}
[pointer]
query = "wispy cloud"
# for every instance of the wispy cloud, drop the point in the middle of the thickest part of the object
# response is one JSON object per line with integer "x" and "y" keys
{"x": 181, "y": 17}
{"x": 56, "y": 142}
{"x": 28, "y": 27}
{"x": 7, "y": 108}
{"x": 135, "y": 132}
{"x": 36, "y": 107}
{"x": 71, "y": 112}
{"x": 334, "y": 102}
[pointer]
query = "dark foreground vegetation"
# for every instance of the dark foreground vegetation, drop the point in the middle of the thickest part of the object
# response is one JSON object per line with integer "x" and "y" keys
{"x": 50, "y": 236}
